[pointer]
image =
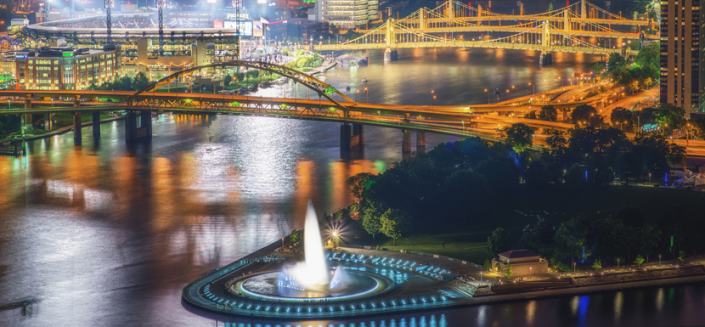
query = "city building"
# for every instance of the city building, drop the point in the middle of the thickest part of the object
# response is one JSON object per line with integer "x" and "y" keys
{"x": 523, "y": 263}
{"x": 346, "y": 14}
{"x": 66, "y": 68}
{"x": 681, "y": 71}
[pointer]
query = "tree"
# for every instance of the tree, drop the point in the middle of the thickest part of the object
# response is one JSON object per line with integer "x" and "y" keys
{"x": 677, "y": 154}
{"x": 597, "y": 264}
{"x": 141, "y": 81}
{"x": 358, "y": 184}
{"x": 508, "y": 271}
{"x": 627, "y": 165}
{"x": 531, "y": 115}
{"x": 598, "y": 68}
{"x": 548, "y": 113}
{"x": 227, "y": 80}
{"x": 586, "y": 115}
{"x": 371, "y": 222}
{"x": 622, "y": 118}
{"x": 505, "y": 177}
{"x": 649, "y": 237}
{"x": 616, "y": 64}
{"x": 395, "y": 223}
{"x": 639, "y": 260}
{"x": 571, "y": 239}
{"x": 487, "y": 265}
{"x": 500, "y": 241}
{"x": 681, "y": 256}
{"x": 669, "y": 117}
{"x": 519, "y": 136}
{"x": 575, "y": 178}
{"x": 294, "y": 237}
{"x": 539, "y": 238}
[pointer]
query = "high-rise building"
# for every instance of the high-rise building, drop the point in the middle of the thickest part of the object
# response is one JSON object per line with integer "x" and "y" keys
{"x": 347, "y": 14}
{"x": 680, "y": 54}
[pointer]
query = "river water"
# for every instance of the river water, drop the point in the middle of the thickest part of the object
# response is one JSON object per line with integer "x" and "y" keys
{"x": 108, "y": 234}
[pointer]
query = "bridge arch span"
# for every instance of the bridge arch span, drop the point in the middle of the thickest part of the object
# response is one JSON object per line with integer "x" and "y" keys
{"x": 318, "y": 86}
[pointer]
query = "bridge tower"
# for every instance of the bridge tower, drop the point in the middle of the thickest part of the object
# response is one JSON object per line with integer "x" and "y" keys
{"x": 583, "y": 12}
{"x": 391, "y": 53}
{"x": 546, "y": 57}
{"x": 566, "y": 20}
{"x": 451, "y": 10}
{"x": 479, "y": 13}
{"x": 422, "y": 18}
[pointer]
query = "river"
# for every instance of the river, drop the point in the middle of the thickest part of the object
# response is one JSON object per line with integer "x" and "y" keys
{"x": 108, "y": 234}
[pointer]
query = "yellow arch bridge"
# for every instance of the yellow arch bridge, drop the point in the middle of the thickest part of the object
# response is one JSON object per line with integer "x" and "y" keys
{"x": 562, "y": 30}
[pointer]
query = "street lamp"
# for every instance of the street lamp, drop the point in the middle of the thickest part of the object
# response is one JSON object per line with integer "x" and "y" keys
{"x": 488, "y": 96}
{"x": 434, "y": 100}
{"x": 481, "y": 277}
{"x": 659, "y": 260}
{"x": 533, "y": 88}
{"x": 356, "y": 93}
{"x": 367, "y": 93}
{"x": 617, "y": 264}
{"x": 529, "y": 272}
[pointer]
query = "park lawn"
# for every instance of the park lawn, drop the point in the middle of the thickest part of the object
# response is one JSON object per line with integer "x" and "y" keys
{"x": 467, "y": 241}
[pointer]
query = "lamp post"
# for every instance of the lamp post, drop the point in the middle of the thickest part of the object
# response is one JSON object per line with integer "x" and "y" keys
{"x": 529, "y": 272}
{"x": 533, "y": 88}
{"x": 659, "y": 260}
{"x": 356, "y": 93}
{"x": 617, "y": 264}
{"x": 488, "y": 96}
{"x": 367, "y": 93}
{"x": 574, "y": 267}
{"x": 463, "y": 124}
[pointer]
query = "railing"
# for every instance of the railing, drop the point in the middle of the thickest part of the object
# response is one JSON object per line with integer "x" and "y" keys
{"x": 437, "y": 256}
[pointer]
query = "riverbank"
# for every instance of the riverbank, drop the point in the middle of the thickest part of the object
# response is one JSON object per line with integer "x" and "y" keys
{"x": 68, "y": 128}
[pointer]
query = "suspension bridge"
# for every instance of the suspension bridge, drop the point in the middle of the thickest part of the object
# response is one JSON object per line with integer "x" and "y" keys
{"x": 561, "y": 30}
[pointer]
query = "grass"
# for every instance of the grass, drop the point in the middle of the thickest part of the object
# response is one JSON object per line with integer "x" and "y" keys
{"x": 467, "y": 241}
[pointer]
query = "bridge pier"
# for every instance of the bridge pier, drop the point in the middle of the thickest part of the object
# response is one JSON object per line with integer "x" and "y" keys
{"x": 345, "y": 136}
{"x": 390, "y": 55}
{"x": 96, "y": 124}
{"x": 351, "y": 137}
{"x": 133, "y": 132}
{"x": 48, "y": 123}
{"x": 77, "y": 136}
{"x": 420, "y": 141}
{"x": 358, "y": 135}
{"x": 406, "y": 141}
{"x": 546, "y": 58}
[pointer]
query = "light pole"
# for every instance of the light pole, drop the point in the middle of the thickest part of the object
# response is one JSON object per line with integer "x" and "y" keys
{"x": 434, "y": 100}
{"x": 356, "y": 94}
{"x": 463, "y": 124}
{"x": 533, "y": 88}
{"x": 573, "y": 267}
{"x": 529, "y": 272}
{"x": 488, "y": 96}
{"x": 481, "y": 277}
{"x": 659, "y": 260}
{"x": 367, "y": 93}
{"x": 617, "y": 264}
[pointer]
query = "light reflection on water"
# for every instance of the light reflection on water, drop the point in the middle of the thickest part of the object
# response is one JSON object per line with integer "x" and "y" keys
{"x": 108, "y": 234}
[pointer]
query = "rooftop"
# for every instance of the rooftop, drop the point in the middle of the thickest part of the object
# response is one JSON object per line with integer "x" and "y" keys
{"x": 514, "y": 254}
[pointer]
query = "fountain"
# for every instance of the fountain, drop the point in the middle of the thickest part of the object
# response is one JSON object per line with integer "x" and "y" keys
{"x": 312, "y": 279}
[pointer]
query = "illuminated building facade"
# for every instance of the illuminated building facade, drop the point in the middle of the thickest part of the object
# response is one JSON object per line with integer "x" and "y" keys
{"x": 66, "y": 68}
{"x": 680, "y": 54}
{"x": 347, "y": 13}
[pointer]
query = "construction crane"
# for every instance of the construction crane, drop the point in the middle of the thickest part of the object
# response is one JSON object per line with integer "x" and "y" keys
{"x": 109, "y": 4}
{"x": 161, "y": 4}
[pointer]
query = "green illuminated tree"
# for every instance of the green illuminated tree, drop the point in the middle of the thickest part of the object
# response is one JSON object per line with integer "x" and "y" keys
{"x": 681, "y": 256}
{"x": 371, "y": 222}
{"x": 639, "y": 260}
{"x": 519, "y": 136}
{"x": 395, "y": 224}
{"x": 508, "y": 271}
{"x": 597, "y": 264}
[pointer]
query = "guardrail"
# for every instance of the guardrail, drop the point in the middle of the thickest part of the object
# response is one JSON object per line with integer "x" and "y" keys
{"x": 437, "y": 256}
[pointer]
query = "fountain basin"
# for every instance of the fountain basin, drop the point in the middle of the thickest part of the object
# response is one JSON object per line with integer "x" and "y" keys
{"x": 263, "y": 286}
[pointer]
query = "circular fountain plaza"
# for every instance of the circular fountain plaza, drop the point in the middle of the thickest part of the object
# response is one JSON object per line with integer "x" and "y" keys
{"x": 275, "y": 283}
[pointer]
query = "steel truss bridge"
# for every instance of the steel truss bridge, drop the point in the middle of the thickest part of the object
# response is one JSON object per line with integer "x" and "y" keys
{"x": 561, "y": 30}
